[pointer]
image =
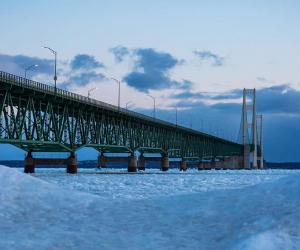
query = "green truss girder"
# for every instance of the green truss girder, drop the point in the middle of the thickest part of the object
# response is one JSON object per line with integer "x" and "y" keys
{"x": 35, "y": 117}
{"x": 109, "y": 148}
{"x": 35, "y": 146}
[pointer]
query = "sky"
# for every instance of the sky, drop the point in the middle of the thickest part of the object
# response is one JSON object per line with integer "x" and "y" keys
{"x": 193, "y": 55}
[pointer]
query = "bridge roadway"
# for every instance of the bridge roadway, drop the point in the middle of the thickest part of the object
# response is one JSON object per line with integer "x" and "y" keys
{"x": 37, "y": 117}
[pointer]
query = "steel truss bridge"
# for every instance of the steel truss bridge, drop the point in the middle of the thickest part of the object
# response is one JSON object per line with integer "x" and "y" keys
{"x": 37, "y": 117}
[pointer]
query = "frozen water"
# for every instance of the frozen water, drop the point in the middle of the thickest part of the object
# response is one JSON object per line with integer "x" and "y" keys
{"x": 243, "y": 210}
{"x": 154, "y": 183}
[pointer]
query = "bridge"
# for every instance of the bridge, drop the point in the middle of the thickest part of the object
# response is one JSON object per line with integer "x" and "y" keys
{"x": 36, "y": 117}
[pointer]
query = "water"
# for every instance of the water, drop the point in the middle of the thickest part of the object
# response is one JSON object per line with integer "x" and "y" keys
{"x": 118, "y": 184}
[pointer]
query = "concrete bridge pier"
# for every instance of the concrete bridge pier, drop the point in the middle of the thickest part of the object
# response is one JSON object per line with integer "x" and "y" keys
{"x": 72, "y": 164}
{"x": 101, "y": 161}
{"x": 183, "y": 165}
{"x": 261, "y": 162}
{"x": 224, "y": 163}
{"x": 213, "y": 163}
{"x": 142, "y": 163}
{"x": 200, "y": 165}
{"x": 132, "y": 163}
{"x": 29, "y": 164}
{"x": 164, "y": 163}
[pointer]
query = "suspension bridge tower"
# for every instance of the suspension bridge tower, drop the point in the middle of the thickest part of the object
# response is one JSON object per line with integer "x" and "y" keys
{"x": 249, "y": 122}
{"x": 260, "y": 157}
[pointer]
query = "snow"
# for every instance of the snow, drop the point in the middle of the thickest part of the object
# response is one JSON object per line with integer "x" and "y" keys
{"x": 117, "y": 184}
{"x": 259, "y": 214}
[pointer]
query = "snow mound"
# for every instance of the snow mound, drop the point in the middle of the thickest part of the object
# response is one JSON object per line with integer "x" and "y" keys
{"x": 37, "y": 215}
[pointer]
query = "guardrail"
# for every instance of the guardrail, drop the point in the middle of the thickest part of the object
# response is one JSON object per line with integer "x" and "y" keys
{"x": 23, "y": 82}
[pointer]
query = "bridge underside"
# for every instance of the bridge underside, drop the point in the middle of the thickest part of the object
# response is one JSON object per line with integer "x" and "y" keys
{"x": 34, "y": 146}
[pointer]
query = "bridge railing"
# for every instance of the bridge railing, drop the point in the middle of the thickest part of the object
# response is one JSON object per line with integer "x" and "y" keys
{"x": 23, "y": 82}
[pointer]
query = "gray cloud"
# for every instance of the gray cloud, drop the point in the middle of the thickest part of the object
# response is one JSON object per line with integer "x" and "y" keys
{"x": 213, "y": 58}
{"x": 82, "y": 79}
{"x": 119, "y": 52}
{"x": 188, "y": 95}
{"x": 264, "y": 80}
{"x": 85, "y": 62}
{"x": 279, "y": 99}
{"x": 276, "y": 100}
{"x": 151, "y": 71}
{"x": 233, "y": 94}
{"x": 17, "y": 64}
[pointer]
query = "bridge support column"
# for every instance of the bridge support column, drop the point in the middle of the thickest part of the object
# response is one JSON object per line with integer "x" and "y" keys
{"x": 132, "y": 163}
{"x": 72, "y": 164}
{"x": 213, "y": 163}
{"x": 228, "y": 163}
{"x": 222, "y": 164}
{"x": 218, "y": 165}
{"x": 261, "y": 162}
{"x": 200, "y": 165}
{"x": 164, "y": 163}
{"x": 29, "y": 167}
{"x": 236, "y": 162}
{"x": 101, "y": 161}
{"x": 246, "y": 157}
{"x": 142, "y": 163}
{"x": 183, "y": 165}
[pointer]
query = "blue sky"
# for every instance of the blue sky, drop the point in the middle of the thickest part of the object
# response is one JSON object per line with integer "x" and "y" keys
{"x": 190, "y": 54}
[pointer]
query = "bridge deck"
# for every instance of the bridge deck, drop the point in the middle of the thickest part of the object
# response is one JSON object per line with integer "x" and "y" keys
{"x": 18, "y": 81}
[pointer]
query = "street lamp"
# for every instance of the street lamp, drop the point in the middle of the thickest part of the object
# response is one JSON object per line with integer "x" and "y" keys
{"x": 153, "y": 98}
{"x": 29, "y": 68}
{"x": 127, "y": 103}
{"x": 201, "y": 125}
{"x": 191, "y": 121}
{"x": 119, "y": 92}
{"x": 176, "y": 115}
{"x": 55, "y": 58}
{"x": 91, "y": 90}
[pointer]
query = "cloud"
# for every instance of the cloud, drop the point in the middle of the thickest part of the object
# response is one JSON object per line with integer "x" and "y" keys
{"x": 185, "y": 84}
{"x": 82, "y": 79}
{"x": 17, "y": 64}
{"x": 233, "y": 94}
{"x": 83, "y": 71}
{"x": 151, "y": 71}
{"x": 120, "y": 52}
{"x": 85, "y": 62}
{"x": 264, "y": 80}
{"x": 213, "y": 58}
{"x": 279, "y": 99}
{"x": 187, "y": 95}
{"x": 89, "y": 65}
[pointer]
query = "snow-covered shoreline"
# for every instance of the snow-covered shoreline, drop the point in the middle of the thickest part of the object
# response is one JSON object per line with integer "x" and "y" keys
{"x": 35, "y": 214}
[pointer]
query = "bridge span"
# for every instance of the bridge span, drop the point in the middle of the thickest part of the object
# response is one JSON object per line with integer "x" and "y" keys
{"x": 36, "y": 117}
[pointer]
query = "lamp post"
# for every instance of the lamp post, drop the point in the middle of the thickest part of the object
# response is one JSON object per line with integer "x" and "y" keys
{"x": 29, "y": 68}
{"x": 119, "y": 91}
{"x": 153, "y": 98}
{"x": 127, "y": 103}
{"x": 176, "y": 115}
{"x": 55, "y": 59}
{"x": 91, "y": 90}
{"x": 201, "y": 125}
